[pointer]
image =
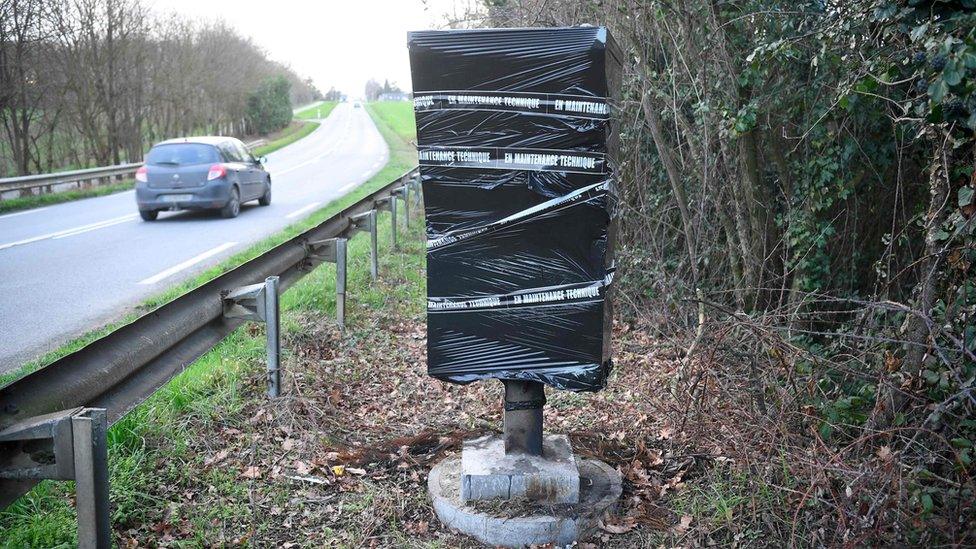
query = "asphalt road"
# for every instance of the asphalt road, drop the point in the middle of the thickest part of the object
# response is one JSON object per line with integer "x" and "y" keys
{"x": 73, "y": 267}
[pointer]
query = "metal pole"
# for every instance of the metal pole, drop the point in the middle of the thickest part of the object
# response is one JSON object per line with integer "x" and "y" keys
{"x": 88, "y": 433}
{"x": 393, "y": 219}
{"x": 406, "y": 204}
{"x": 523, "y": 416}
{"x": 274, "y": 344}
{"x": 374, "y": 263}
{"x": 341, "y": 281}
{"x": 418, "y": 190}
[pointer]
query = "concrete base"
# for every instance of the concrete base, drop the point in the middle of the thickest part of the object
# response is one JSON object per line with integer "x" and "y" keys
{"x": 520, "y": 523}
{"x": 487, "y": 472}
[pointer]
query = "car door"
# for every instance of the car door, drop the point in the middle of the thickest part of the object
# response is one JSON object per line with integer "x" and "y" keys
{"x": 254, "y": 175}
{"x": 236, "y": 165}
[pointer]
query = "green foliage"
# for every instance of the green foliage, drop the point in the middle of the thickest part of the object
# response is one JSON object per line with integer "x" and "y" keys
{"x": 290, "y": 135}
{"x": 269, "y": 106}
{"x": 314, "y": 112}
{"x": 30, "y": 202}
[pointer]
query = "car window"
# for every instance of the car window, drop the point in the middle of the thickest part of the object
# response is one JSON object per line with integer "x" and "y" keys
{"x": 230, "y": 152}
{"x": 182, "y": 154}
{"x": 245, "y": 154}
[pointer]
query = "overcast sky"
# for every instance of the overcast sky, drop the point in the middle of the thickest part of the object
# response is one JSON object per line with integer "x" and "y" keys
{"x": 339, "y": 43}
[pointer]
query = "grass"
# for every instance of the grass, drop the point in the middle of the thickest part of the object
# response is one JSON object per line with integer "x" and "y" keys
{"x": 289, "y": 135}
{"x": 157, "y": 445}
{"x": 314, "y": 112}
{"x": 293, "y": 132}
{"x": 397, "y": 114}
{"x": 37, "y": 201}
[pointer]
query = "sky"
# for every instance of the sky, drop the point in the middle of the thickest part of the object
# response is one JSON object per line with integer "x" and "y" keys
{"x": 340, "y": 43}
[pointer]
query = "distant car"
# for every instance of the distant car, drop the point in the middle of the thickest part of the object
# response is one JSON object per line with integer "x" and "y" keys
{"x": 357, "y": 105}
{"x": 195, "y": 173}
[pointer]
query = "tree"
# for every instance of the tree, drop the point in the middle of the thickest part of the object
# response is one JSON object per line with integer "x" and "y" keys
{"x": 269, "y": 107}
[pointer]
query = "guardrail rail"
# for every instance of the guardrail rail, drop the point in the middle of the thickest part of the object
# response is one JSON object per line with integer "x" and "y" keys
{"x": 53, "y": 421}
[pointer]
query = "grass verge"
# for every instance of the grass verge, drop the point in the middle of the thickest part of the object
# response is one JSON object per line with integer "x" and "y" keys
{"x": 293, "y": 132}
{"x": 314, "y": 112}
{"x": 37, "y": 201}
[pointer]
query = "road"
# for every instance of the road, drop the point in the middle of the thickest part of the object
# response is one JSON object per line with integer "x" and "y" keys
{"x": 70, "y": 268}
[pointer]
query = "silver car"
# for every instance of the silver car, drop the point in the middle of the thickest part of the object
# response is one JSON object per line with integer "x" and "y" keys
{"x": 193, "y": 173}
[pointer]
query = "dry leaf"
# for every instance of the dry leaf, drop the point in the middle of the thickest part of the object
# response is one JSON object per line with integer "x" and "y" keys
{"x": 684, "y": 524}
{"x": 356, "y": 471}
{"x": 626, "y": 526}
{"x": 217, "y": 458}
{"x": 338, "y": 470}
{"x": 252, "y": 472}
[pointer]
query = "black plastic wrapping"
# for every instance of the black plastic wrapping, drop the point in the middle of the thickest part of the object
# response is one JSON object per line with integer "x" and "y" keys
{"x": 516, "y": 158}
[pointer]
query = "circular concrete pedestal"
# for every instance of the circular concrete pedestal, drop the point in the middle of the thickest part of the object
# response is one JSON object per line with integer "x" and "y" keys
{"x": 519, "y": 524}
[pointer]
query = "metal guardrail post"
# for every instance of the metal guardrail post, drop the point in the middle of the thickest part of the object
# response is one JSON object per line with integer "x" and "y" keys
{"x": 389, "y": 203}
{"x": 333, "y": 250}
{"x": 404, "y": 193}
{"x": 367, "y": 222}
{"x": 274, "y": 341}
{"x": 418, "y": 190}
{"x": 89, "y": 431}
{"x": 259, "y": 302}
{"x": 341, "y": 282}
{"x": 66, "y": 445}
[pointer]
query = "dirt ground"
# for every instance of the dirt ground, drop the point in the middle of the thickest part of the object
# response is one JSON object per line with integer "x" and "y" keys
{"x": 342, "y": 459}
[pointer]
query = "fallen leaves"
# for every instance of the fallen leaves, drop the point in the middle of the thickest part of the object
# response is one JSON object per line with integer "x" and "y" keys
{"x": 216, "y": 458}
{"x": 252, "y": 472}
{"x": 615, "y": 525}
{"x": 684, "y": 524}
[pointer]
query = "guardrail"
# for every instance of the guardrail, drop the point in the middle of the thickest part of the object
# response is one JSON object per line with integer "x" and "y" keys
{"x": 53, "y": 421}
{"x": 47, "y": 182}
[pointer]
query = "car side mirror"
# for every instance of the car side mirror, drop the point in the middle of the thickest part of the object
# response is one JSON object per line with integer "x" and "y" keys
{"x": 262, "y": 160}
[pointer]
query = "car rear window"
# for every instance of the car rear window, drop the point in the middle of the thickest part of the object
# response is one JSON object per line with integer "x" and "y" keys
{"x": 182, "y": 154}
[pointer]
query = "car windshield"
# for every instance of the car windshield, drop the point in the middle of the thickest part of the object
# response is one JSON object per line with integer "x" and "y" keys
{"x": 182, "y": 154}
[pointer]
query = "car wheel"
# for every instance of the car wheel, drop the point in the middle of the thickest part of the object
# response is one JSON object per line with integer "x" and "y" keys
{"x": 233, "y": 206}
{"x": 266, "y": 199}
{"x": 149, "y": 215}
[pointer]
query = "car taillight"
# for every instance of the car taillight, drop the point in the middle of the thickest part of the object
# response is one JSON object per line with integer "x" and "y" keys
{"x": 216, "y": 172}
{"x": 142, "y": 175}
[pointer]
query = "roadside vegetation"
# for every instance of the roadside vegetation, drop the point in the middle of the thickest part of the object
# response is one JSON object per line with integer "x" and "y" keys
{"x": 797, "y": 244}
{"x": 30, "y": 202}
{"x": 321, "y": 110}
{"x": 291, "y": 133}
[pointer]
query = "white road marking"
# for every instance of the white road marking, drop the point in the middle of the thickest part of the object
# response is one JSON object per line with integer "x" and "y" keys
{"x": 295, "y": 167}
{"x": 300, "y": 211}
{"x": 35, "y": 210}
{"x": 95, "y": 228}
{"x": 366, "y": 174}
{"x": 347, "y": 187}
{"x": 68, "y": 232}
{"x": 187, "y": 264}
